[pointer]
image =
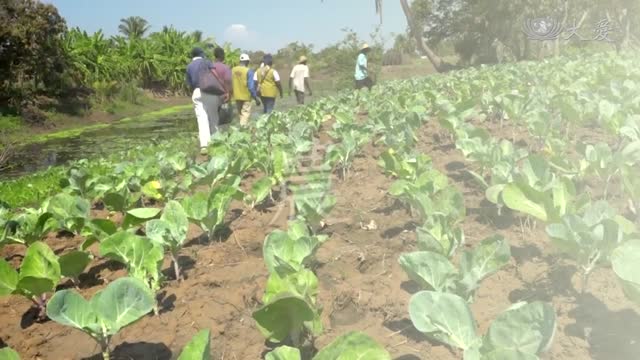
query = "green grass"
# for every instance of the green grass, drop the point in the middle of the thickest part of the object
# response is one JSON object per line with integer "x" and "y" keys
{"x": 32, "y": 189}
{"x": 14, "y": 130}
{"x": 159, "y": 113}
{"x": 79, "y": 130}
{"x": 10, "y": 123}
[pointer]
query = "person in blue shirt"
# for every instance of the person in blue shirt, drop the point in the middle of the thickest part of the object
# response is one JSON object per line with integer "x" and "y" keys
{"x": 206, "y": 105}
{"x": 362, "y": 69}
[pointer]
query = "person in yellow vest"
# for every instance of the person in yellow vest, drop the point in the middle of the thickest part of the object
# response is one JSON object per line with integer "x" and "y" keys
{"x": 269, "y": 85}
{"x": 244, "y": 88}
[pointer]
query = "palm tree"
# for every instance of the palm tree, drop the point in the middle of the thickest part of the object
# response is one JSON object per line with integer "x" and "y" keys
{"x": 133, "y": 27}
{"x": 197, "y": 36}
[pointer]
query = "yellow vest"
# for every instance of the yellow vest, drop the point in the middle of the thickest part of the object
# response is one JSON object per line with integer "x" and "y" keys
{"x": 267, "y": 86}
{"x": 240, "y": 87}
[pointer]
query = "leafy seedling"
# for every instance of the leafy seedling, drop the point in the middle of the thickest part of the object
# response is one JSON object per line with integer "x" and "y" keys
{"x": 289, "y": 252}
{"x": 120, "y": 304}
{"x": 71, "y": 212}
{"x": 199, "y": 348}
{"x": 170, "y": 231}
{"x": 434, "y": 271}
{"x": 207, "y": 210}
{"x": 39, "y": 274}
{"x": 625, "y": 261}
{"x": 526, "y": 330}
{"x": 9, "y": 354}
{"x": 142, "y": 257}
{"x": 589, "y": 239}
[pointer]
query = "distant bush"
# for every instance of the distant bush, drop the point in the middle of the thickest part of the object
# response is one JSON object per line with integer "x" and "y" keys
{"x": 32, "y": 115}
{"x": 392, "y": 57}
{"x": 130, "y": 93}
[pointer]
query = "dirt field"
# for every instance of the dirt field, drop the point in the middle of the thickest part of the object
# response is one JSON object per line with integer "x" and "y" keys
{"x": 362, "y": 287}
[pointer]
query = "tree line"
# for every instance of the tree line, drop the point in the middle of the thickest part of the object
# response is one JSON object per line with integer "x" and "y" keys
{"x": 44, "y": 64}
{"x": 491, "y": 31}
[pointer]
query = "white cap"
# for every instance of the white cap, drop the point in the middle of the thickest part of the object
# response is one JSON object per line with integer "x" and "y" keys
{"x": 244, "y": 57}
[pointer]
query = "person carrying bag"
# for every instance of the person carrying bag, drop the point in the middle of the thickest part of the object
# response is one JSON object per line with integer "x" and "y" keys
{"x": 225, "y": 112}
{"x": 207, "y": 95}
{"x": 268, "y": 84}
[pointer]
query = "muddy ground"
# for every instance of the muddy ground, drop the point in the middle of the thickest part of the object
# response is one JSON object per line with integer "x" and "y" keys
{"x": 362, "y": 287}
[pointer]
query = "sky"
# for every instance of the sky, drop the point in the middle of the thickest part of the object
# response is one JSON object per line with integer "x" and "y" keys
{"x": 249, "y": 24}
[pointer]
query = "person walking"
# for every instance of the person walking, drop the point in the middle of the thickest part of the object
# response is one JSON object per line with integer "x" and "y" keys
{"x": 223, "y": 71}
{"x": 300, "y": 80}
{"x": 207, "y": 95}
{"x": 269, "y": 84}
{"x": 362, "y": 69}
{"x": 244, "y": 89}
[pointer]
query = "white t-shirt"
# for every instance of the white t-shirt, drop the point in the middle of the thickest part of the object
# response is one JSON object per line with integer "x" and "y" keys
{"x": 298, "y": 74}
{"x": 276, "y": 76}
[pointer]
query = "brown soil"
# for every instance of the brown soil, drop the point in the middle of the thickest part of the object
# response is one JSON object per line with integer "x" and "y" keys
{"x": 362, "y": 287}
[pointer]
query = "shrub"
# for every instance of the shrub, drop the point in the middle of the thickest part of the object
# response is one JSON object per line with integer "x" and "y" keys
{"x": 32, "y": 115}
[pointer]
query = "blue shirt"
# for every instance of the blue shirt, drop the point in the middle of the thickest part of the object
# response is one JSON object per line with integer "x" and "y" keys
{"x": 195, "y": 68}
{"x": 251, "y": 83}
{"x": 361, "y": 67}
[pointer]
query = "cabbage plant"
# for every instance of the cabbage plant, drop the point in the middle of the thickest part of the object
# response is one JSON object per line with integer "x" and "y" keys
{"x": 589, "y": 239}
{"x": 404, "y": 166}
{"x": 350, "y": 346}
{"x": 290, "y": 311}
{"x": 290, "y": 251}
{"x": 343, "y": 153}
{"x": 170, "y": 231}
{"x": 9, "y": 354}
{"x": 119, "y": 305}
{"x": 207, "y": 210}
{"x": 199, "y": 348}
{"x": 313, "y": 200}
{"x": 39, "y": 274}
{"x": 625, "y": 261}
{"x": 523, "y": 331}
{"x": 284, "y": 318}
{"x": 434, "y": 271}
{"x": 429, "y": 196}
{"x": 439, "y": 234}
{"x": 71, "y": 212}
{"x": 142, "y": 257}
{"x": 28, "y": 227}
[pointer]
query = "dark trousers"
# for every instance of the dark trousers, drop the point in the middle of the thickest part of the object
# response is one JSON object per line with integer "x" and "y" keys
{"x": 300, "y": 97}
{"x": 366, "y": 82}
{"x": 268, "y": 103}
